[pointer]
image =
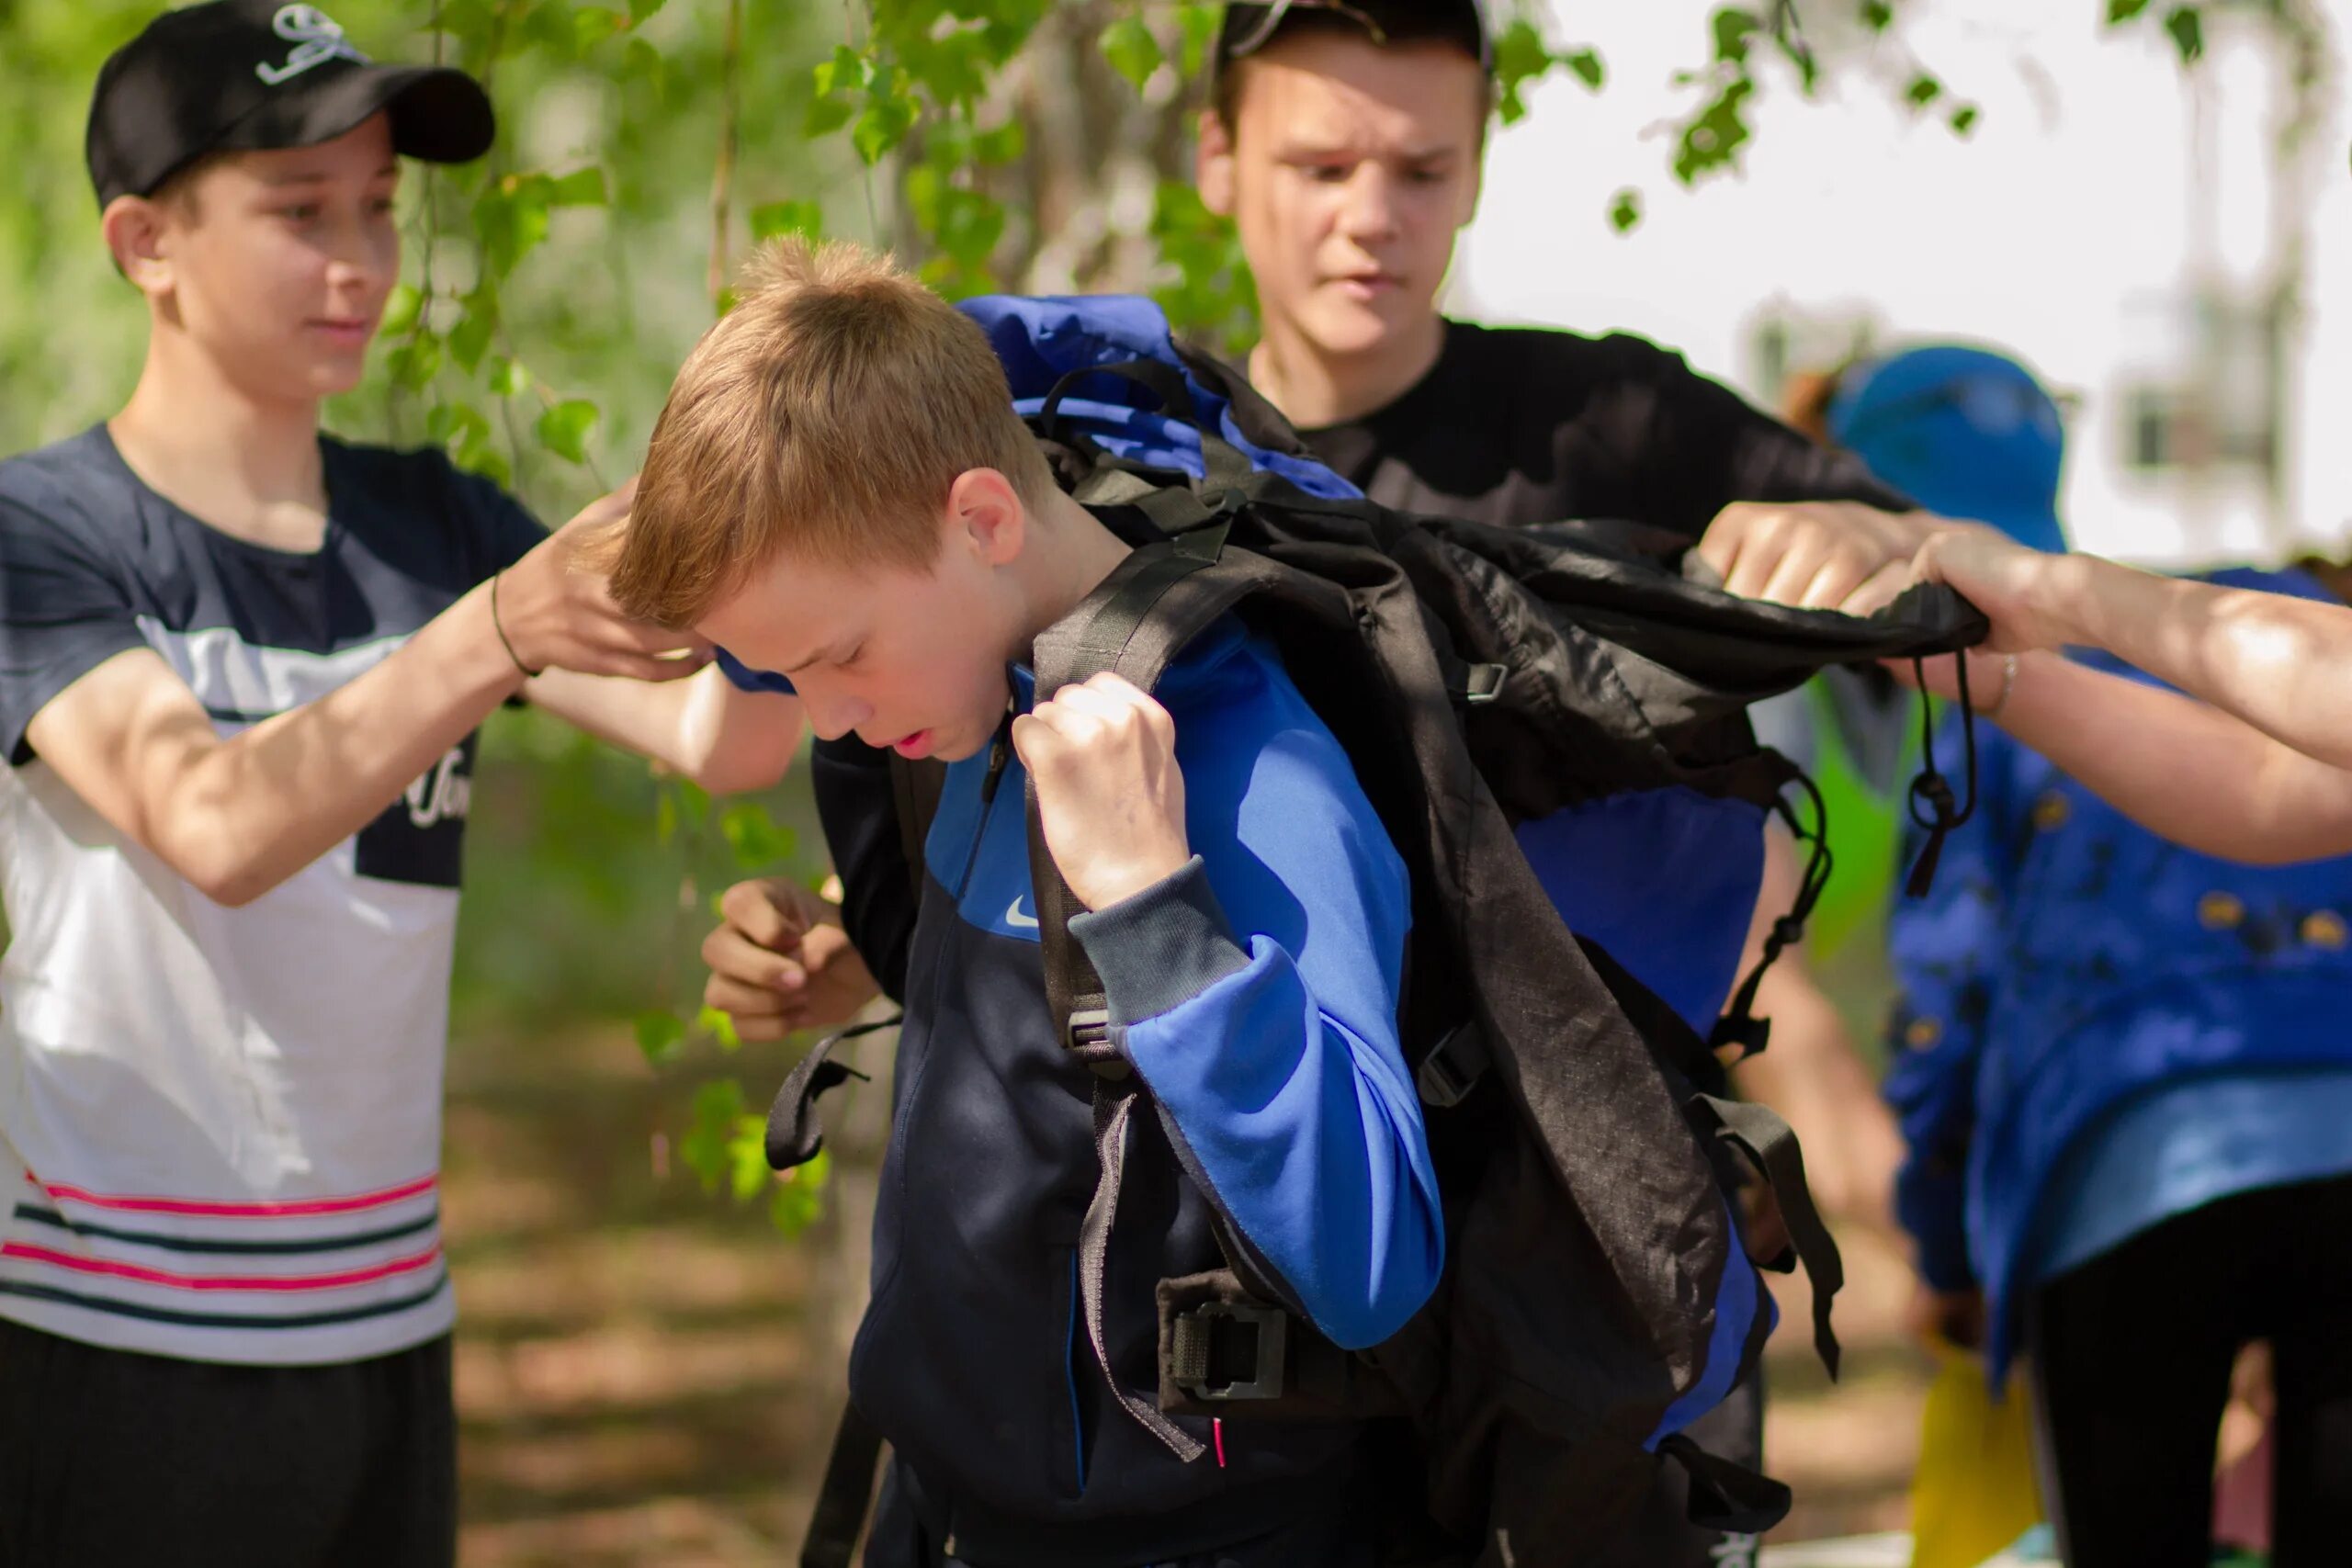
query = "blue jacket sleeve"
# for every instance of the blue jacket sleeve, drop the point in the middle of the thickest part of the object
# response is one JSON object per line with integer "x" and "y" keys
{"x": 1947, "y": 953}
{"x": 1256, "y": 992}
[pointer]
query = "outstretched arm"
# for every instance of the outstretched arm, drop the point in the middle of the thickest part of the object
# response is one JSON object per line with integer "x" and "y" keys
{"x": 2257, "y": 771}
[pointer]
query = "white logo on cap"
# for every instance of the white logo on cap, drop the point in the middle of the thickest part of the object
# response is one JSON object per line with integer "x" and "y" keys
{"x": 317, "y": 39}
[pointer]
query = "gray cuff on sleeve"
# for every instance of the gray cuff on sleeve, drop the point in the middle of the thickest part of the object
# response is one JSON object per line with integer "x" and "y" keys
{"x": 1161, "y": 947}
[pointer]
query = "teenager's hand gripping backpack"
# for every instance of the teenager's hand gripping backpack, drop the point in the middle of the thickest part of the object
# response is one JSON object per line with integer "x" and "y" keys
{"x": 1487, "y": 683}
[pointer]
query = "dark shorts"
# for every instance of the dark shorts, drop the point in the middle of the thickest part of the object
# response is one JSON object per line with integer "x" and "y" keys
{"x": 109, "y": 1459}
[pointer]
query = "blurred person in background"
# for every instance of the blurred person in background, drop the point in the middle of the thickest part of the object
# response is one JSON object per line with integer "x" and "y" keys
{"x": 2120, "y": 1070}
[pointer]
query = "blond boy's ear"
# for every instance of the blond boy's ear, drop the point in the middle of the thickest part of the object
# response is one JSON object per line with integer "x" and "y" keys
{"x": 1213, "y": 165}
{"x": 134, "y": 230}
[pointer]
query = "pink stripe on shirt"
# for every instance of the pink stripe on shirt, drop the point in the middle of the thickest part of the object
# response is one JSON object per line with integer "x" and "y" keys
{"x": 219, "y": 1282}
{"x": 290, "y": 1209}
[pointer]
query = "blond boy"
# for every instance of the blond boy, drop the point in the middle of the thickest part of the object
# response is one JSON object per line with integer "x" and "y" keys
{"x": 838, "y": 492}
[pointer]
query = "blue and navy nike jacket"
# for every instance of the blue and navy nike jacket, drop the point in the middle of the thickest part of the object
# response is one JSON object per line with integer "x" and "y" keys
{"x": 2066, "y": 967}
{"x": 1256, "y": 992}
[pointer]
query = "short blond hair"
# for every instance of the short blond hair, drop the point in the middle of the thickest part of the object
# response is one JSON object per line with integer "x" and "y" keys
{"x": 827, "y": 414}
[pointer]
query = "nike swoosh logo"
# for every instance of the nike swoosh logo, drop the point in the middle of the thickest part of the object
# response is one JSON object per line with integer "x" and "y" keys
{"x": 1016, "y": 920}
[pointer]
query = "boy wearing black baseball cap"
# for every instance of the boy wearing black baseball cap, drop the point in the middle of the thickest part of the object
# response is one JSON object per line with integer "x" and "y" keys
{"x": 1346, "y": 141}
{"x": 241, "y": 668}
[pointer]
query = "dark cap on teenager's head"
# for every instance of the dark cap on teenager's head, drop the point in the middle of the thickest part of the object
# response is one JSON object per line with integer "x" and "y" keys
{"x": 1247, "y": 29}
{"x": 250, "y": 74}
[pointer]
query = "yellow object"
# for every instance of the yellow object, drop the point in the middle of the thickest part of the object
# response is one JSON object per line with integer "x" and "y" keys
{"x": 1974, "y": 1492}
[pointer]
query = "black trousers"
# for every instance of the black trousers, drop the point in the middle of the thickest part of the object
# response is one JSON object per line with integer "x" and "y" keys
{"x": 2132, "y": 1355}
{"x": 109, "y": 1459}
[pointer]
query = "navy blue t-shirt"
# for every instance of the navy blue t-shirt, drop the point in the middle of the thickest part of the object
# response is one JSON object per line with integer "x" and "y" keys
{"x": 94, "y": 562}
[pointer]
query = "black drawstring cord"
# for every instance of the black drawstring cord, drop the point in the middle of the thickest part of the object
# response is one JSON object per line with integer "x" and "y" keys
{"x": 1931, "y": 790}
{"x": 1739, "y": 1025}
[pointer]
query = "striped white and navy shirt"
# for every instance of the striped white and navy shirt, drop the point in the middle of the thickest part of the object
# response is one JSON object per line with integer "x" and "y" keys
{"x": 224, "y": 1125}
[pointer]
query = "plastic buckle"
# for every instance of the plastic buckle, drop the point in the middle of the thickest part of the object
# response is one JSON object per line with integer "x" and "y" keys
{"x": 1482, "y": 684}
{"x": 1273, "y": 1326}
{"x": 1452, "y": 1068}
{"x": 1089, "y": 1039}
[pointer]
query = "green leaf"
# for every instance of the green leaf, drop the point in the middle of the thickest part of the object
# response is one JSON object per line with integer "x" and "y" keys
{"x": 825, "y": 115}
{"x": 665, "y": 819}
{"x": 402, "y": 306}
{"x": 563, "y": 429}
{"x": 1003, "y": 145}
{"x": 641, "y": 62}
{"x": 1131, "y": 51}
{"x": 1625, "y": 210}
{"x": 1964, "y": 118}
{"x": 1877, "y": 15}
{"x": 593, "y": 25}
{"x": 1924, "y": 90}
{"x": 510, "y": 220}
{"x": 719, "y": 1027}
{"x": 798, "y": 1201}
{"x": 641, "y": 11}
{"x": 2186, "y": 26}
{"x": 469, "y": 339}
{"x": 413, "y": 364}
{"x": 2124, "y": 10}
{"x": 478, "y": 454}
{"x": 455, "y": 425}
{"x": 844, "y": 73}
{"x": 659, "y": 1036}
{"x": 747, "y": 1156}
{"x": 707, "y": 1147}
{"x": 1586, "y": 63}
{"x": 1199, "y": 25}
{"x": 1520, "y": 57}
{"x": 1712, "y": 139}
{"x": 775, "y": 218}
{"x": 550, "y": 26}
{"x": 755, "y": 837}
{"x": 1732, "y": 27}
{"x": 889, "y": 115}
{"x": 508, "y": 379}
{"x": 582, "y": 187}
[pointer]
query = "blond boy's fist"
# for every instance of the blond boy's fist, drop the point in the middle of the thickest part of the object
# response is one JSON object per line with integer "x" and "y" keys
{"x": 1109, "y": 795}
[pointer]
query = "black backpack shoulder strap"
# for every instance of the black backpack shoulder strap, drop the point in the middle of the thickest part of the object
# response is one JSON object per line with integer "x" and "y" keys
{"x": 1158, "y": 599}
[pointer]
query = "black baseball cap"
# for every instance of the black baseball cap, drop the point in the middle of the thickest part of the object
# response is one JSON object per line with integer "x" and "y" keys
{"x": 237, "y": 74}
{"x": 1248, "y": 28}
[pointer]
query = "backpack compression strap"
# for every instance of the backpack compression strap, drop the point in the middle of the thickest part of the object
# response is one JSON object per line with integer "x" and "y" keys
{"x": 1157, "y": 599}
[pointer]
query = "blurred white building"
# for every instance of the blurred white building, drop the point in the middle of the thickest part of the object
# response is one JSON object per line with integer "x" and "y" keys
{"x": 2152, "y": 240}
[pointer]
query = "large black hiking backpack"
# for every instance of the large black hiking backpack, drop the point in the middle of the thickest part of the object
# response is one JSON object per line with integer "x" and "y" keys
{"x": 1596, "y": 1294}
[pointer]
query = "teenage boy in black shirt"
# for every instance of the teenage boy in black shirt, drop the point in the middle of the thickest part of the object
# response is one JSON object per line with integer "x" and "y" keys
{"x": 1346, "y": 143}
